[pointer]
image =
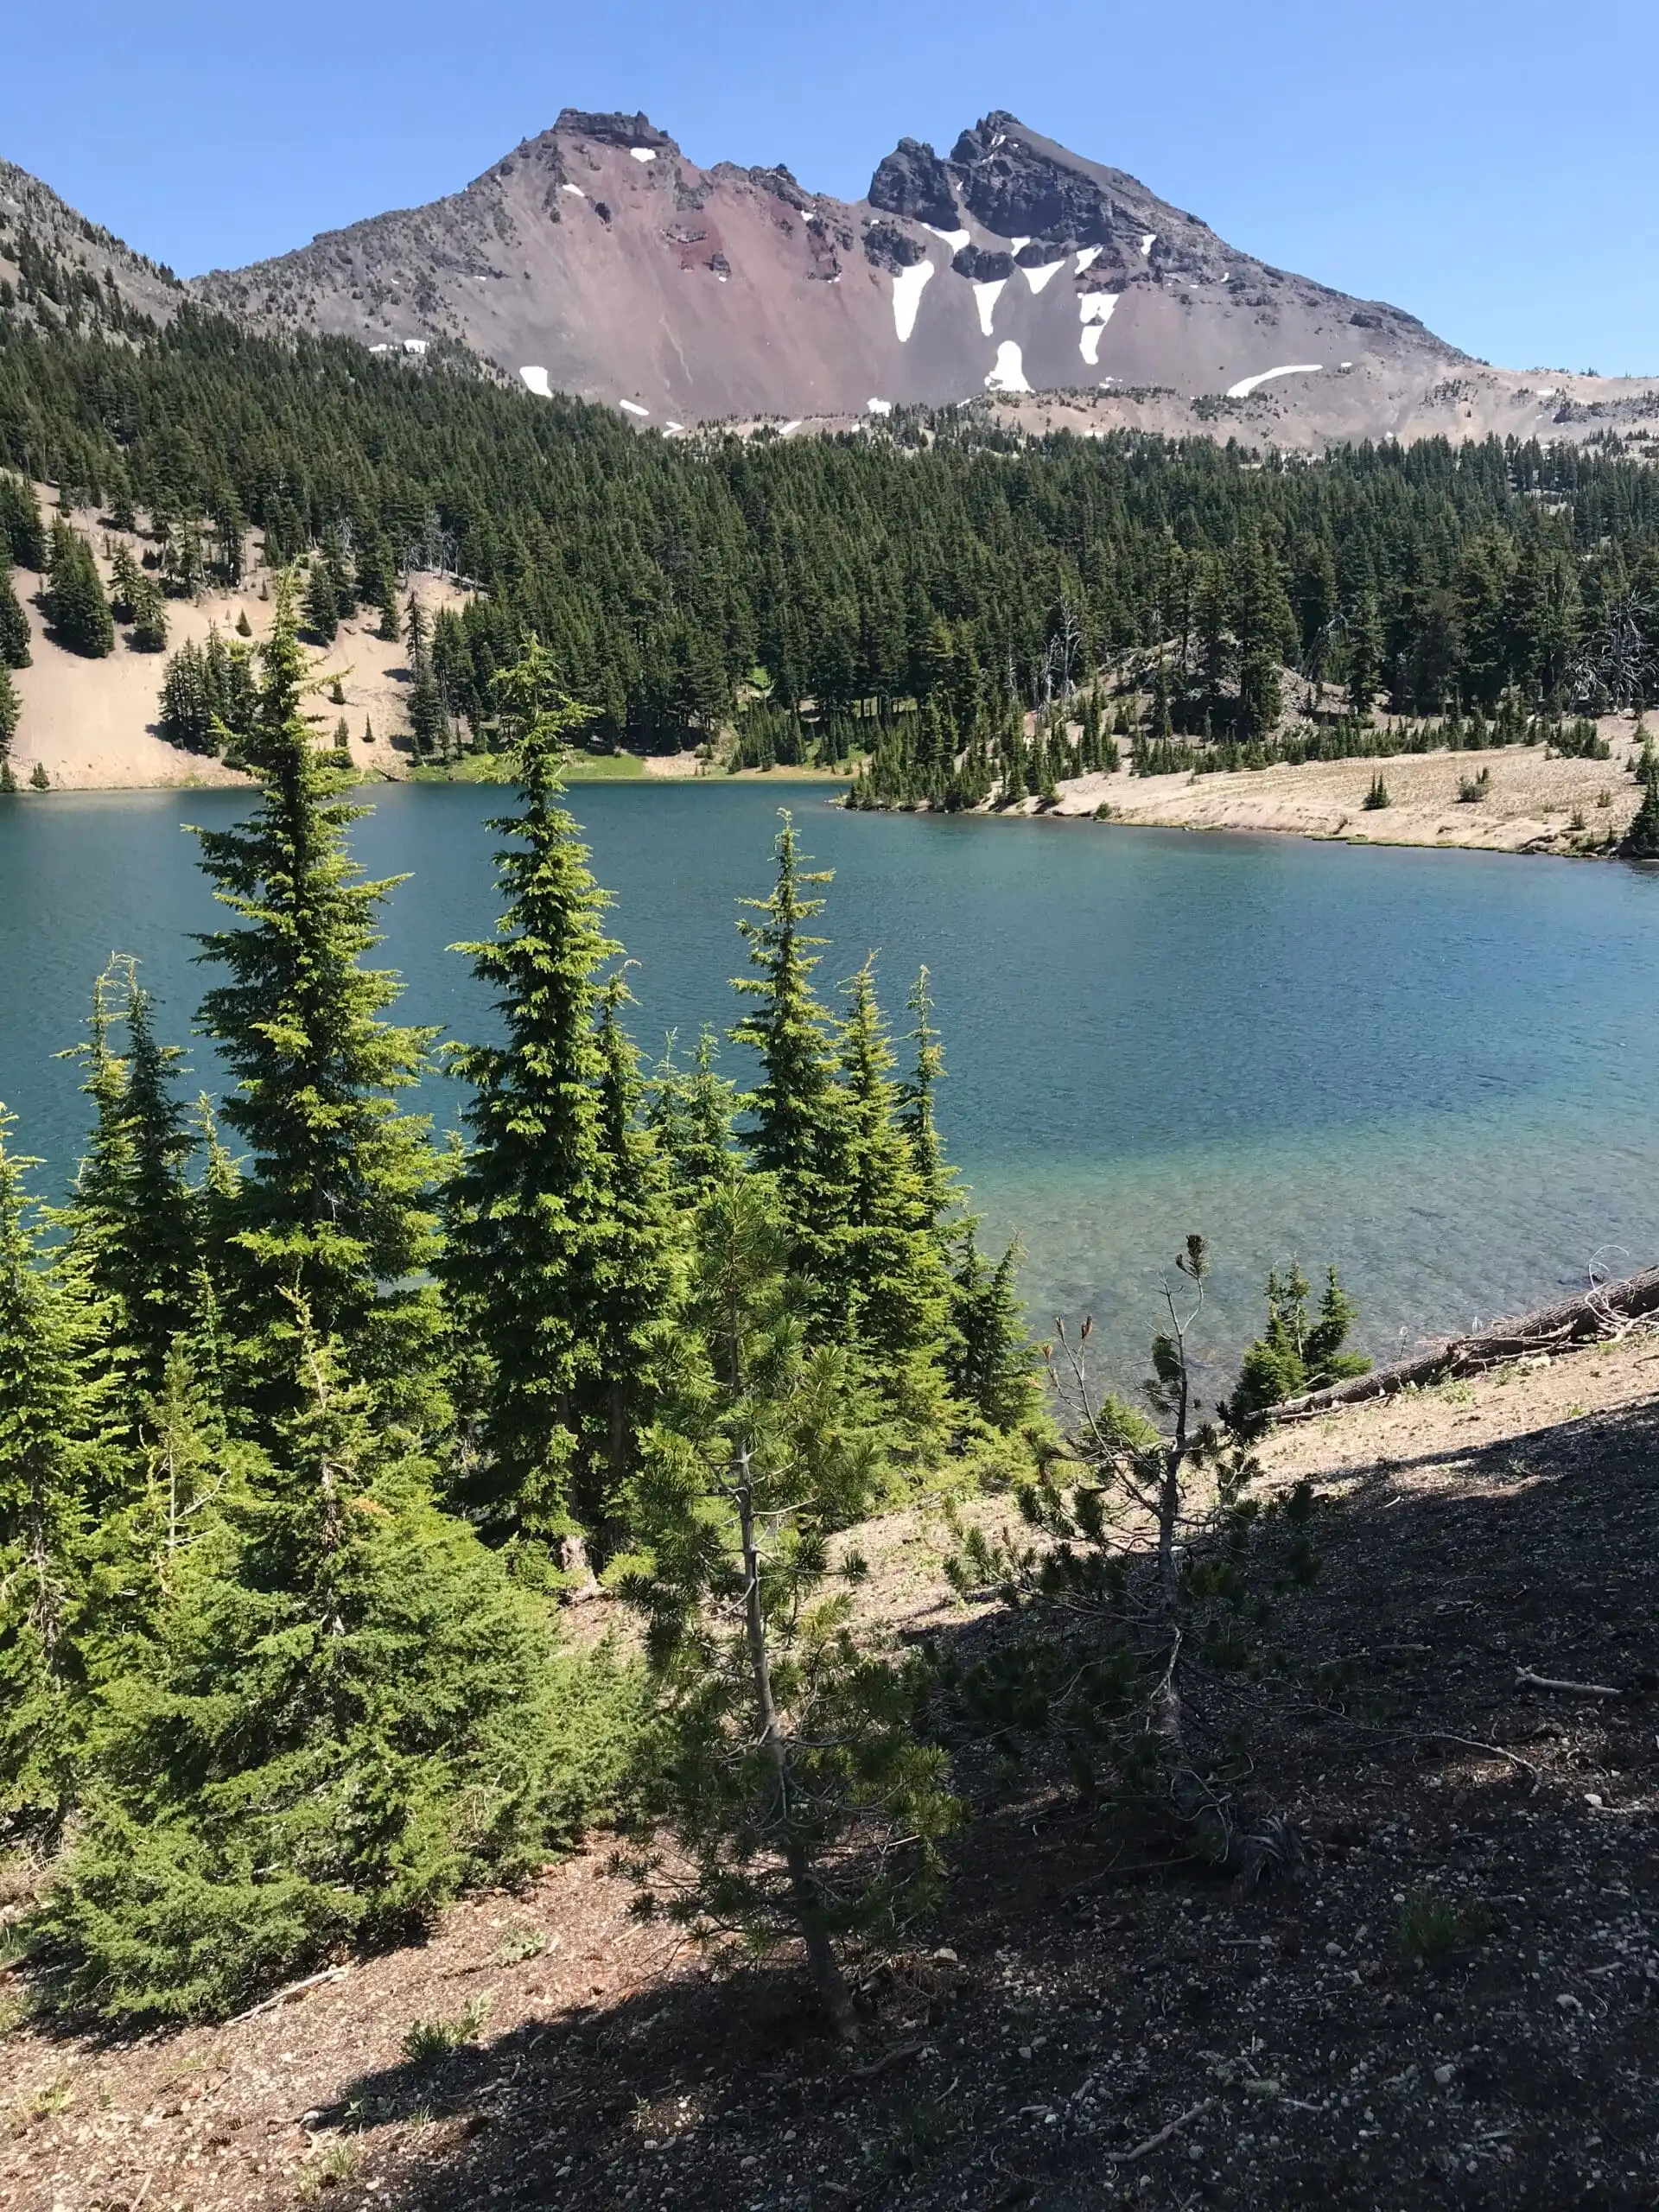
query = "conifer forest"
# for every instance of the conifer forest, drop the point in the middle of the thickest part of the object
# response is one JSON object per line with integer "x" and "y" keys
{"x": 655, "y": 1485}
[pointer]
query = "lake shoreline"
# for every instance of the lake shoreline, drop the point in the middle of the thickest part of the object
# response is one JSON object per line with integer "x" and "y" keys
{"x": 1523, "y": 802}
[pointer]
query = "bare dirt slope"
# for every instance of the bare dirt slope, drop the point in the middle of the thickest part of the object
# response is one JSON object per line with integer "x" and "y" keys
{"x": 1081, "y": 2028}
{"x": 93, "y": 724}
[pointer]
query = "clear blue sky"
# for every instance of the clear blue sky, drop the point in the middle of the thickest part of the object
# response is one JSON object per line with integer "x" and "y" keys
{"x": 1488, "y": 164}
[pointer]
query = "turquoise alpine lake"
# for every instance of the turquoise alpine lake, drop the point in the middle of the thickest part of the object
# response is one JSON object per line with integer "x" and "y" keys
{"x": 1438, "y": 1070}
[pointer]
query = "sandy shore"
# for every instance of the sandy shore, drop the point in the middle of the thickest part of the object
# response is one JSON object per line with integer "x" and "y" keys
{"x": 1531, "y": 804}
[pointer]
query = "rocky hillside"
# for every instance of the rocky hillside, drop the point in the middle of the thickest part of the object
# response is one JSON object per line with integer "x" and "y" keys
{"x": 59, "y": 271}
{"x": 597, "y": 259}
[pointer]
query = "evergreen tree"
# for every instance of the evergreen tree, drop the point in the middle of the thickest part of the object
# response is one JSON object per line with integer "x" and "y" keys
{"x": 1295, "y": 1353}
{"x": 344, "y": 1716}
{"x": 49, "y": 1449}
{"x": 74, "y": 601}
{"x": 1642, "y": 838}
{"x": 991, "y": 1365}
{"x": 785, "y": 1759}
{"x": 22, "y": 533}
{"x": 338, "y": 1207}
{"x": 794, "y": 1110}
{"x": 692, "y": 1112}
{"x": 529, "y": 1210}
{"x": 889, "y": 1270}
{"x": 11, "y": 711}
{"x": 321, "y": 607}
{"x": 133, "y": 1220}
{"x": 14, "y": 623}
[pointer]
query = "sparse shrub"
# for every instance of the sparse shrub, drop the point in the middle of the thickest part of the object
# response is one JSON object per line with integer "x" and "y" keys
{"x": 427, "y": 2041}
{"x": 1473, "y": 789}
{"x": 1431, "y": 1928}
{"x": 1378, "y": 797}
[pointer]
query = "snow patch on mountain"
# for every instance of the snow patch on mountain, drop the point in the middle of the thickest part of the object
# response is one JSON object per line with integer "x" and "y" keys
{"x": 1246, "y": 386}
{"x": 1036, "y": 278}
{"x": 1096, "y": 311}
{"x": 1009, "y": 374}
{"x": 643, "y": 153}
{"x": 955, "y": 240}
{"x": 536, "y": 381}
{"x": 1148, "y": 239}
{"x": 629, "y": 407}
{"x": 985, "y": 299}
{"x": 878, "y": 406}
{"x": 908, "y": 285}
{"x": 1088, "y": 258}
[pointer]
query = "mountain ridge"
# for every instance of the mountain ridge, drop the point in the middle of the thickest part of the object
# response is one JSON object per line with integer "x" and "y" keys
{"x": 596, "y": 258}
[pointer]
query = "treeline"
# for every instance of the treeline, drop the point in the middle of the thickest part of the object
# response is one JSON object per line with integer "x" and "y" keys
{"x": 305, "y": 1427}
{"x": 931, "y": 560}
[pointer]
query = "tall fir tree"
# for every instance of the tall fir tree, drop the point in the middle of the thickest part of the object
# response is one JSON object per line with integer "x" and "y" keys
{"x": 51, "y": 1460}
{"x": 529, "y": 1220}
{"x": 343, "y": 1715}
{"x": 337, "y": 1208}
{"x": 794, "y": 1113}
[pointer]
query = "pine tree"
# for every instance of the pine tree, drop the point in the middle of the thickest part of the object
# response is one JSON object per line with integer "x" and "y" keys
{"x": 11, "y": 712}
{"x": 794, "y": 1111}
{"x": 22, "y": 533}
{"x": 74, "y": 601}
{"x": 14, "y": 623}
{"x": 1295, "y": 1353}
{"x": 889, "y": 1277}
{"x": 49, "y": 1452}
{"x": 1642, "y": 838}
{"x": 786, "y": 1758}
{"x": 338, "y": 1207}
{"x": 692, "y": 1113}
{"x": 529, "y": 1222}
{"x": 344, "y": 1715}
{"x": 321, "y": 601}
{"x": 133, "y": 1221}
{"x": 991, "y": 1364}
{"x": 638, "y": 1278}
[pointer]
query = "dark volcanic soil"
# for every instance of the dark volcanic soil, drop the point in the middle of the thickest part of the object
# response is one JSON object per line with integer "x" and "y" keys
{"x": 1075, "y": 2032}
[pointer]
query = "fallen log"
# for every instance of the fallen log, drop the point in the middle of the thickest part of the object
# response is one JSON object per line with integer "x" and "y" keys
{"x": 1593, "y": 1313}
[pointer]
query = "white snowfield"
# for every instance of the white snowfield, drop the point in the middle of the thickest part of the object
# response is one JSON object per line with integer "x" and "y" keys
{"x": 631, "y": 407}
{"x": 576, "y": 188}
{"x": 1036, "y": 278}
{"x": 643, "y": 153}
{"x": 1095, "y": 310}
{"x": 1009, "y": 374}
{"x": 1018, "y": 245}
{"x": 985, "y": 299}
{"x": 1246, "y": 386}
{"x": 674, "y": 429}
{"x": 536, "y": 380}
{"x": 1148, "y": 239}
{"x": 878, "y": 406}
{"x": 414, "y": 344}
{"x": 793, "y": 425}
{"x": 908, "y": 285}
{"x": 955, "y": 240}
{"x": 1087, "y": 258}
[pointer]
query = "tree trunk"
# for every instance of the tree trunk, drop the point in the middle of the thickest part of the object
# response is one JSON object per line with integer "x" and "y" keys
{"x": 1574, "y": 1320}
{"x": 827, "y": 1979}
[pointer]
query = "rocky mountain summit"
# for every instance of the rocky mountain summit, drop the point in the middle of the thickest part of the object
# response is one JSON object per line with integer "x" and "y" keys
{"x": 60, "y": 271}
{"x": 597, "y": 259}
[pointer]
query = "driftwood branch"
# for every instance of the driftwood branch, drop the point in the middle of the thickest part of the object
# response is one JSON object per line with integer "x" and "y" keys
{"x": 293, "y": 1989}
{"x": 1593, "y": 1313}
{"x": 1526, "y": 1679}
{"x": 1153, "y": 2142}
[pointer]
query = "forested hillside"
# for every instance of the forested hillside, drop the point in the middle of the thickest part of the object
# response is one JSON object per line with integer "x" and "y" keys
{"x": 929, "y": 558}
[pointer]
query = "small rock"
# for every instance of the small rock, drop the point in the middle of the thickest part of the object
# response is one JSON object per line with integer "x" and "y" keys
{"x": 1568, "y": 2003}
{"x": 948, "y": 1958}
{"x": 1445, "y": 2074}
{"x": 1333, "y": 1949}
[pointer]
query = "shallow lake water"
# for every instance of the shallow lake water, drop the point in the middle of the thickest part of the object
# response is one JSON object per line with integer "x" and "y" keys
{"x": 1439, "y": 1070}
